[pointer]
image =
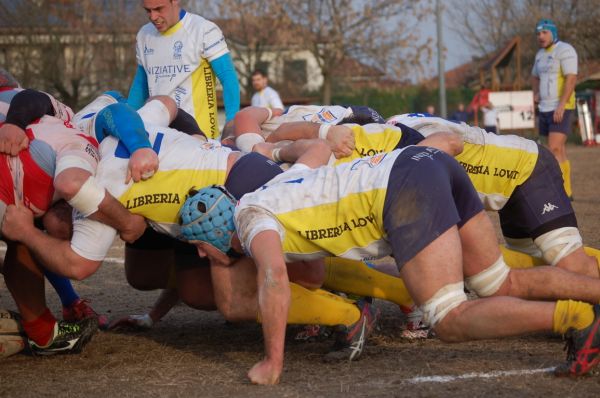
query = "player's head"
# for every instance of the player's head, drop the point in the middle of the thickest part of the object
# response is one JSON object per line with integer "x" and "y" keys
{"x": 7, "y": 80}
{"x": 546, "y": 32}
{"x": 259, "y": 79}
{"x": 207, "y": 216}
{"x": 162, "y": 13}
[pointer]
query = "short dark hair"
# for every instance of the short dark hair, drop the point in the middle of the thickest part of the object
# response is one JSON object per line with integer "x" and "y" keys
{"x": 259, "y": 72}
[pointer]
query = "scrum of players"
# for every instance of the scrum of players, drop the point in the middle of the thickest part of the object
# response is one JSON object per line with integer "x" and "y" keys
{"x": 284, "y": 213}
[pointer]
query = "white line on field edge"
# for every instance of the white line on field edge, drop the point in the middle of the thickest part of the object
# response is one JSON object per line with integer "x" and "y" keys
{"x": 468, "y": 376}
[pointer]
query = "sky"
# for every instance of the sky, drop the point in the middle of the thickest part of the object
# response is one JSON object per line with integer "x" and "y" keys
{"x": 458, "y": 52}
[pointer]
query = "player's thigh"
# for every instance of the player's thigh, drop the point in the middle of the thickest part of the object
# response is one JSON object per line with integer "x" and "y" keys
{"x": 149, "y": 261}
{"x": 438, "y": 265}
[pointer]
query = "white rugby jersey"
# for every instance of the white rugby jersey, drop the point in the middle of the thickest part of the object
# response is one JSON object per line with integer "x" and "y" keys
{"x": 184, "y": 163}
{"x": 496, "y": 164}
{"x": 329, "y": 211}
{"x": 550, "y": 66}
{"x": 177, "y": 64}
{"x": 267, "y": 98}
{"x": 308, "y": 113}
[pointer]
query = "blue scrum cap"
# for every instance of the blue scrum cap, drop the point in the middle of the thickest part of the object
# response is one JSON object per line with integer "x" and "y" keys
{"x": 549, "y": 25}
{"x": 207, "y": 216}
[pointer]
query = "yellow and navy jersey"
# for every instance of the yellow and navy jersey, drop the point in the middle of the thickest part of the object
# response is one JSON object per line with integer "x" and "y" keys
{"x": 177, "y": 64}
{"x": 327, "y": 211}
{"x": 184, "y": 163}
{"x": 551, "y": 66}
{"x": 496, "y": 164}
{"x": 374, "y": 138}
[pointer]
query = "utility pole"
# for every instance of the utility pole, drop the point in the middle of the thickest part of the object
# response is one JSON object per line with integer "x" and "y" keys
{"x": 440, "y": 51}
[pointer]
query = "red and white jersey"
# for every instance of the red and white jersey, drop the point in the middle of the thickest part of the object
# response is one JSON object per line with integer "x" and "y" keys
{"x": 54, "y": 146}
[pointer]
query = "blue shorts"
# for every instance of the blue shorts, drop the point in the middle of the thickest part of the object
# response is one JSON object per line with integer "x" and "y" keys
{"x": 540, "y": 204}
{"x": 548, "y": 126}
{"x": 428, "y": 193}
{"x": 249, "y": 173}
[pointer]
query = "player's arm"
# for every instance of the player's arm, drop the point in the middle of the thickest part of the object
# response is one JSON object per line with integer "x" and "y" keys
{"x": 138, "y": 92}
{"x": 340, "y": 137}
{"x": 274, "y": 302}
{"x": 56, "y": 254}
{"x": 568, "y": 88}
{"x": 449, "y": 142}
{"x": 535, "y": 86}
{"x": 81, "y": 190}
{"x": 312, "y": 153}
{"x": 225, "y": 71}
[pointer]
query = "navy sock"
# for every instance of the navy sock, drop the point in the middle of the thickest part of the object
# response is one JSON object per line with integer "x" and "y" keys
{"x": 63, "y": 288}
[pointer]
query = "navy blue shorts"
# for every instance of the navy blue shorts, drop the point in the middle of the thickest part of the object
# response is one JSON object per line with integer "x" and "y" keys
{"x": 186, "y": 255}
{"x": 428, "y": 192}
{"x": 249, "y": 173}
{"x": 548, "y": 126}
{"x": 540, "y": 204}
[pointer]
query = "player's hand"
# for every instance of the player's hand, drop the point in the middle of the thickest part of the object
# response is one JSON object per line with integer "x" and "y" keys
{"x": 265, "y": 372}
{"x": 142, "y": 165}
{"x": 17, "y": 222}
{"x": 276, "y": 112}
{"x": 132, "y": 322}
{"x": 558, "y": 113}
{"x": 12, "y": 139}
{"x": 136, "y": 225}
{"x": 341, "y": 141}
{"x": 536, "y": 97}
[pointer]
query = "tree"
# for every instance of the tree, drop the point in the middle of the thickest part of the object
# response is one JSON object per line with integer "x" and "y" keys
{"x": 73, "y": 49}
{"x": 486, "y": 25}
{"x": 378, "y": 33}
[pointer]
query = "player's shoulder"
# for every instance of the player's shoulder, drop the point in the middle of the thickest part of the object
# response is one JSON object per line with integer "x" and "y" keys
{"x": 565, "y": 48}
{"x": 146, "y": 30}
{"x": 197, "y": 23}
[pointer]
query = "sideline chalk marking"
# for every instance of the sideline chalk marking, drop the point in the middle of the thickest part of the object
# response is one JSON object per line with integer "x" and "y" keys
{"x": 467, "y": 376}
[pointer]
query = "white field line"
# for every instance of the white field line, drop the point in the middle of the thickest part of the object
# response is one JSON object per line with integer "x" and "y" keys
{"x": 469, "y": 376}
{"x": 114, "y": 260}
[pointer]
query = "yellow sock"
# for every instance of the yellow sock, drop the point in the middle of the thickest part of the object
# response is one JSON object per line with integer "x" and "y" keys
{"x": 565, "y": 168}
{"x": 516, "y": 259}
{"x": 310, "y": 308}
{"x": 352, "y": 276}
{"x": 572, "y": 314}
{"x": 333, "y": 296}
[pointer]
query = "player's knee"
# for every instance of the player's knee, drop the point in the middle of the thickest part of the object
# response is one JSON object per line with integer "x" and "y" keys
{"x": 559, "y": 243}
{"x": 440, "y": 311}
{"x": 491, "y": 281}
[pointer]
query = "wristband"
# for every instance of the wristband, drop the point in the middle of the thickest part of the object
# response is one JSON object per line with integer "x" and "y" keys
{"x": 324, "y": 130}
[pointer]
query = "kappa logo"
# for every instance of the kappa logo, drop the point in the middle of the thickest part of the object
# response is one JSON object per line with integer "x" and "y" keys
{"x": 548, "y": 207}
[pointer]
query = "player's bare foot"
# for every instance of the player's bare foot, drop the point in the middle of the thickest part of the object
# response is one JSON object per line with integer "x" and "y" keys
{"x": 265, "y": 373}
{"x": 341, "y": 141}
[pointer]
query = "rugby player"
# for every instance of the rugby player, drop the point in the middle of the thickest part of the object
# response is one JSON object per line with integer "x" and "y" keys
{"x": 416, "y": 204}
{"x": 59, "y": 163}
{"x": 522, "y": 182}
{"x": 185, "y": 162}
